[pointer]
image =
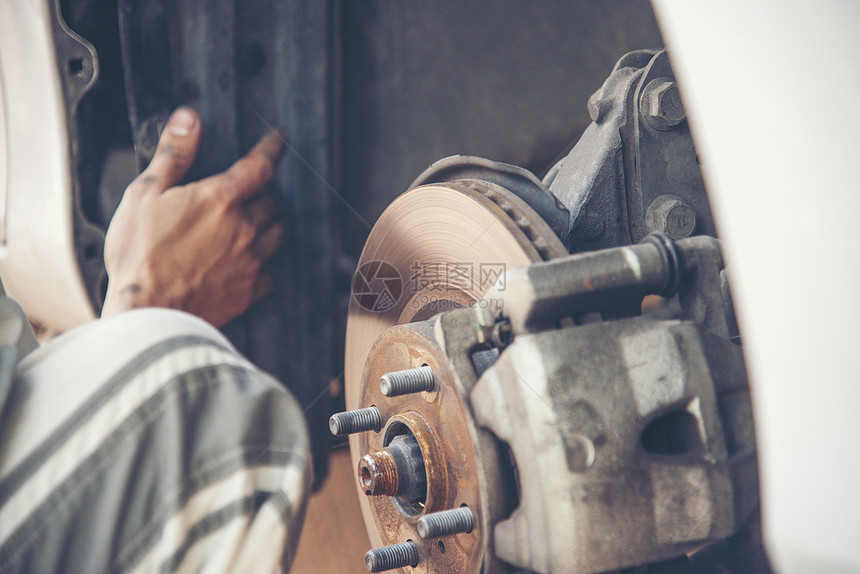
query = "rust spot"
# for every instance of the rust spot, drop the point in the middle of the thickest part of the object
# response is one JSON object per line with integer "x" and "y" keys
{"x": 377, "y": 474}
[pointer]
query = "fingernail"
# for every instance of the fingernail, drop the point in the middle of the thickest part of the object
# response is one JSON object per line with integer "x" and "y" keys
{"x": 181, "y": 122}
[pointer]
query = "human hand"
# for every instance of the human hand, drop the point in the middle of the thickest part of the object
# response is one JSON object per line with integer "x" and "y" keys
{"x": 198, "y": 247}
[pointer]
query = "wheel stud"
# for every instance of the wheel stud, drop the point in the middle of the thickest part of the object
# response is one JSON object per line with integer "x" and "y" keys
{"x": 359, "y": 420}
{"x": 391, "y": 557}
{"x": 445, "y": 523}
{"x": 407, "y": 381}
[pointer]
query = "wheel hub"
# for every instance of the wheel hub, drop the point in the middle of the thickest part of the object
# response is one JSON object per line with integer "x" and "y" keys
{"x": 450, "y": 241}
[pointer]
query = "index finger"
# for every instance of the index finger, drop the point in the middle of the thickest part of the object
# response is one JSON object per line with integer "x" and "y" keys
{"x": 245, "y": 177}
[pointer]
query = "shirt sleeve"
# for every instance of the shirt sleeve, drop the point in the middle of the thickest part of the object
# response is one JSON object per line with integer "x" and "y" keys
{"x": 146, "y": 443}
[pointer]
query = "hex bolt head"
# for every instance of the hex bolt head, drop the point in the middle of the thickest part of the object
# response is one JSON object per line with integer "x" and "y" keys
{"x": 671, "y": 215}
{"x": 445, "y": 523}
{"x": 150, "y": 131}
{"x": 407, "y": 381}
{"x": 391, "y": 557}
{"x": 359, "y": 420}
{"x": 660, "y": 105}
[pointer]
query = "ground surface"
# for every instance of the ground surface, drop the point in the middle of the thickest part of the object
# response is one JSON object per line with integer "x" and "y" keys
{"x": 334, "y": 538}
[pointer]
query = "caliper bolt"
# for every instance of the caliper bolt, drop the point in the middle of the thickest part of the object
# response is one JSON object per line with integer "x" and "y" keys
{"x": 407, "y": 381}
{"x": 359, "y": 420}
{"x": 391, "y": 557}
{"x": 660, "y": 104}
{"x": 445, "y": 523}
{"x": 671, "y": 215}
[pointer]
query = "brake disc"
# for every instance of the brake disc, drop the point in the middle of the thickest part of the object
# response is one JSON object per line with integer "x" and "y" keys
{"x": 435, "y": 248}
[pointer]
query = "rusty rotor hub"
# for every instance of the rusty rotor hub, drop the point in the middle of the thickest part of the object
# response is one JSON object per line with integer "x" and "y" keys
{"x": 436, "y": 424}
{"x": 429, "y": 456}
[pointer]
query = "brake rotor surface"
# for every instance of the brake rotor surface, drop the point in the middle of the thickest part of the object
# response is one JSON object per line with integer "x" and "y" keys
{"x": 435, "y": 248}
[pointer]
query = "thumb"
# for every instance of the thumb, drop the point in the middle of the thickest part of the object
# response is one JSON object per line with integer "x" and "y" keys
{"x": 176, "y": 150}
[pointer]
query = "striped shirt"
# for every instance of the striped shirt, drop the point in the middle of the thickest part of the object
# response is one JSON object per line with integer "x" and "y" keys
{"x": 146, "y": 443}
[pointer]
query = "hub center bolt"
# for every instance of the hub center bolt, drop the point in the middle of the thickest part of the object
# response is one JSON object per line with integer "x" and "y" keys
{"x": 397, "y": 470}
{"x": 407, "y": 381}
{"x": 378, "y": 474}
{"x": 391, "y": 557}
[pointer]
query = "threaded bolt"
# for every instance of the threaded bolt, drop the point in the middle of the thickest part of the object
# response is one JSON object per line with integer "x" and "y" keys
{"x": 446, "y": 523}
{"x": 391, "y": 557}
{"x": 407, "y": 381}
{"x": 359, "y": 420}
{"x": 377, "y": 472}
